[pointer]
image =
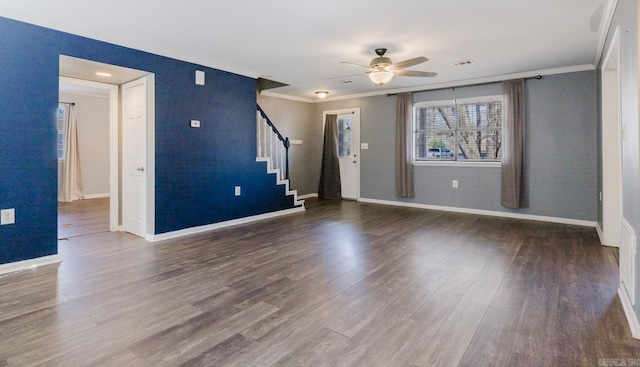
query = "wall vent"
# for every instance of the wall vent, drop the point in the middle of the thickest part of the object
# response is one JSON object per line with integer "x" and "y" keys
{"x": 627, "y": 263}
{"x": 462, "y": 63}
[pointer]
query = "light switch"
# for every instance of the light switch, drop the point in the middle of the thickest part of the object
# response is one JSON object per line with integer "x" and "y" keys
{"x": 364, "y": 146}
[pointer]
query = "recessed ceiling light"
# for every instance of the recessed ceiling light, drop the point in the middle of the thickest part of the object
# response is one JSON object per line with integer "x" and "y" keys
{"x": 102, "y": 73}
{"x": 462, "y": 63}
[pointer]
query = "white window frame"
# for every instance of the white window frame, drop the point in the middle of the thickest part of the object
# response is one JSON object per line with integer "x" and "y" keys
{"x": 455, "y": 162}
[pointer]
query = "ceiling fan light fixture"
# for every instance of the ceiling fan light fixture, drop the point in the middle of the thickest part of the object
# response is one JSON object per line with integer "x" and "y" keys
{"x": 322, "y": 94}
{"x": 380, "y": 77}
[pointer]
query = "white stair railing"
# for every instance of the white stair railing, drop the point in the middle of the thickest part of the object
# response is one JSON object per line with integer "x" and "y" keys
{"x": 272, "y": 145}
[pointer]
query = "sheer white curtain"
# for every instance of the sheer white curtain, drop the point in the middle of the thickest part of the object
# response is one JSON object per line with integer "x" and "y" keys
{"x": 70, "y": 188}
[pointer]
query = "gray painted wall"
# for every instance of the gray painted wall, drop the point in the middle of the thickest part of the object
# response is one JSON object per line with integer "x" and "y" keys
{"x": 93, "y": 140}
{"x": 626, "y": 16}
{"x": 562, "y": 150}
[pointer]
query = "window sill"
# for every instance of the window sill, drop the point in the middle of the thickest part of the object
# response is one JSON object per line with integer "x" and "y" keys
{"x": 457, "y": 164}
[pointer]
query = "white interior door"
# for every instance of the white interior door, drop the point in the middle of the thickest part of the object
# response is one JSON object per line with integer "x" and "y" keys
{"x": 134, "y": 148}
{"x": 349, "y": 153}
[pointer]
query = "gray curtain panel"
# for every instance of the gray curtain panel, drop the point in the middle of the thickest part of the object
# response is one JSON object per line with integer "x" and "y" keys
{"x": 404, "y": 168}
{"x": 330, "y": 186}
{"x": 513, "y": 155}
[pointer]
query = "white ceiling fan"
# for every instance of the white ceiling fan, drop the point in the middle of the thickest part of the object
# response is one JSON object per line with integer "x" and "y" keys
{"x": 381, "y": 69}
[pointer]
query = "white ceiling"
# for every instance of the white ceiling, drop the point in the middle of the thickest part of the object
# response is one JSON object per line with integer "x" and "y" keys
{"x": 301, "y": 43}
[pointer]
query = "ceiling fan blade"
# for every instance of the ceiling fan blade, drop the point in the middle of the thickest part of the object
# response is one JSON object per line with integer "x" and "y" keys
{"x": 425, "y": 74}
{"x": 345, "y": 76}
{"x": 410, "y": 62}
{"x": 354, "y": 64}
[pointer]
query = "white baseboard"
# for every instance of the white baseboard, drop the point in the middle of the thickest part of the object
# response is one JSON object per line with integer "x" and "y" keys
{"x": 229, "y": 223}
{"x": 600, "y": 233}
{"x": 97, "y": 196}
{"x": 632, "y": 318}
{"x": 29, "y": 264}
{"x": 307, "y": 196}
{"x": 493, "y": 213}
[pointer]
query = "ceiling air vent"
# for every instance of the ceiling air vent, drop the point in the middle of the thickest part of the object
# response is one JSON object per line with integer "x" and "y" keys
{"x": 462, "y": 63}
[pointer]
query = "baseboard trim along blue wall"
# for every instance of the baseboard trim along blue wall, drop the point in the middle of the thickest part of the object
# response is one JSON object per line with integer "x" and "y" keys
{"x": 195, "y": 171}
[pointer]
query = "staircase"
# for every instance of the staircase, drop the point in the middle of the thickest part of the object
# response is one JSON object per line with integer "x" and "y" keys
{"x": 273, "y": 148}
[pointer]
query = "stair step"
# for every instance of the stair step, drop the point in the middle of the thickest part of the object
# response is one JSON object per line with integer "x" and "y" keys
{"x": 285, "y": 182}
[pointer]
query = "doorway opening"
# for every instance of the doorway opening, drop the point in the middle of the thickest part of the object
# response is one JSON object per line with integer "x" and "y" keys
{"x": 101, "y": 209}
{"x": 348, "y": 150}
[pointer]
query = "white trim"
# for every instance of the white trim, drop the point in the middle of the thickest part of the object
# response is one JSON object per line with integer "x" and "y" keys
{"x": 449, "y": 84}
{"x": 291, "y": 98}
{"x": 491, "y": 164}
{"x": 611, "y": 155}
{"x": 215, "y": 226}
{"x": 29, "y": 264}
{"x": 276, "y": 171}
{"x": 605, "y": 25}
{"x": 457, "y": 101}
{"x": 151, "y": 153}
{"x": 463, "y": 83}
{"x": 632, "y": 318}
{"x": 96, "y": 196}
{"x": 79, "y": 93}
{"x": 600, "y": 234}
{"x": 493, "y": 213}
{"x": 308, "y": 196}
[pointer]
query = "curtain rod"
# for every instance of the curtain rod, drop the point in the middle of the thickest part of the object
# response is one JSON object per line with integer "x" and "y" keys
{"x": 71, "y": 103}
{"x": 462, "y": 86}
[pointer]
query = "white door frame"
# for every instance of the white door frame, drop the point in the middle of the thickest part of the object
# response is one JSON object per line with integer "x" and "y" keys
{"x": 114, "y": 143}
{"x": 611, "y": 145}
{"x": 356, "y": 113}
{"x": 115, "y": 212}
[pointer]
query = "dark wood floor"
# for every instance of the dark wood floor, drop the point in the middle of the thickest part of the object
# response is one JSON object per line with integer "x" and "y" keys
{"x": 83, "y": 217}
{"x": 343, "y": 284}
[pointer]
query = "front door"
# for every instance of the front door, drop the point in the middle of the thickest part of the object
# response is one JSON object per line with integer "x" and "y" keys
{"x": 134, "y": 148}
{"x": 349, "y": 153}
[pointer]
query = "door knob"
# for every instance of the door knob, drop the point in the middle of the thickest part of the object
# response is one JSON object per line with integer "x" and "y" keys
{"x": 354, "y": 161}
{"x": 141, "y": 169}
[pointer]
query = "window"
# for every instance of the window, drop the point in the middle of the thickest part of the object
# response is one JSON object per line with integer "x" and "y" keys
{"x": 344, "y": 135}
{"x": 460, "y": 130}
{"x": 60, "y": 127}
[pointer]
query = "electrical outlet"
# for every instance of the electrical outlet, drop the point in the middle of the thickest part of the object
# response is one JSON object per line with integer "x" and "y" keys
{"x": 454, "y": 184}
{"x": 7, "y": 216}
{"x": 238, "y": 190}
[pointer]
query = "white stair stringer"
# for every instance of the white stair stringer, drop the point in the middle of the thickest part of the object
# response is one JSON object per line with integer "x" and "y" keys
{"x": 276, "y": 171}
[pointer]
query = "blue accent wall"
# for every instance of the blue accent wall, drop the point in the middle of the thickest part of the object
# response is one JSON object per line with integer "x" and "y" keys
{"x": 196, "y": 169}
